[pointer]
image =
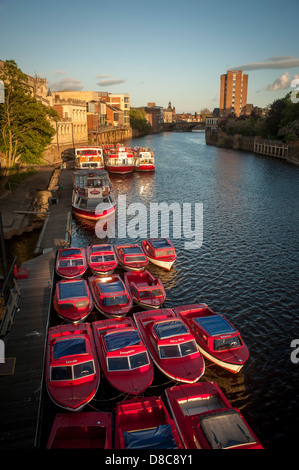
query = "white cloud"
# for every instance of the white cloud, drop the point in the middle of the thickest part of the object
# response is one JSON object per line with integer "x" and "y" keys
{"x": 281, "y": 83}
{"x": 279, "y": 62}
{"x": 66, "y": 83}
{"x": 110, "y": 82}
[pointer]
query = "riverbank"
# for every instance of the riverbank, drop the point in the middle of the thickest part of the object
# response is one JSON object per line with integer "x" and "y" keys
{"x": 288, "y": 151}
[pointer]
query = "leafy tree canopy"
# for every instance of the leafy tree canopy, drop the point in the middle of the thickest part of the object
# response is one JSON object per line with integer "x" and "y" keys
{"x": 138, "y": 121}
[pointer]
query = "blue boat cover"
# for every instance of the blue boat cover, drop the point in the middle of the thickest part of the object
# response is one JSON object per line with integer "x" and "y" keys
{"x": 95, "y": 249}
{"x": 133, "y": 250}
{"x": 167, "y": 329}
{"x": 68, "y": 290}
{"x": 156, "y": 438}
{"x": 121, "y": 339}
{"x": 160, "y": 243}
{"x": 226, "y": 429}
{"x": 215, "y": 325}
{"x": 111, "y": 287}
{"x": 70, "y": 252}
{"x": 68, "y": 347}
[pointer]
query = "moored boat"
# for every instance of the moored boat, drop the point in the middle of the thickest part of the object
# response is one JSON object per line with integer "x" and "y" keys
{"x": 92, "y": 197}
{"x": 144, "y": 159}
{"x": 89, "y": 157}
{"x": 83, "y": 430}
{"x": 72, "y": 300}
{"x": 72, "y": 368}
{"x": 145, "y": 423}
{"x": 159, "y": 251}
{"x": 217, "y": 338}
{"x": 123, "y": 356}
{"x": 101, "y": 259}
{"x": 206, "y": 420}
{"x": 110, "y": 295}
{"x": 131, "y": 257}
{"x": 119, "y": 160}
{"x": 146, "y": 291}
{"x": 171, "y": 345}
{"x": 70, "y": 262}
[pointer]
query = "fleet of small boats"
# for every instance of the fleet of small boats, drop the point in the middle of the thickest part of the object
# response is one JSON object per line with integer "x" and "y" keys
{"x": 128, "y": 349}
{"x": 206, "y": 420}
{"x": 171, "y": 345}
{"x": 123, "y": 356}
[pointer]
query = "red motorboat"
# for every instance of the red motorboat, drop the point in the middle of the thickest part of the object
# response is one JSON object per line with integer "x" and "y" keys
{"x": 159, "y": 251}
{"x": 119, "y": 160}
{"x": 146, "y": 291}
{"x": 206, "y": 420}
{"x": 145, "y": 423}
{"x": 131, "y": 257}
{"x": 217, "y": 338}
{"x": 70, "y": 262}
{"x": 72, "y": 368}
{"x": 170, "y": 344}
{"x": 110, "y": 295}
{"x": 83, "y": 430}
{"x": 123, "y": 356}
{"x": 101, "y": 259}
{"x": 72, "y": 300}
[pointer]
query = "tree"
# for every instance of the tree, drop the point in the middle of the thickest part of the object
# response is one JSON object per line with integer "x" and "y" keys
{"x": 25, "y": 122}
{"x": 138, "y": 121}
{"x": 274, "y": 116}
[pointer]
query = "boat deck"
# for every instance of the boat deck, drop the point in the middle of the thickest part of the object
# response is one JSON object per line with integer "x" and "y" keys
{"x": 21, "y": 386}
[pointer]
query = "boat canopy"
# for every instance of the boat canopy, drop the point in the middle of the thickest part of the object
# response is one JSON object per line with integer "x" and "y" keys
{"x": 121, "y": 339}
{"x": 70, "y": 252}
{"x": 69, "y": 290}
{"x": 160, "y": 243}
{"x": 111, "y": 287}
{"x": 226, "y": 429}
{"x": 215, "y": 325}
{"x": 69, "y": 347}
{"x": 97, "y": 248}
{"x": 160, "y": 437}
{"x": 167, "y": 329}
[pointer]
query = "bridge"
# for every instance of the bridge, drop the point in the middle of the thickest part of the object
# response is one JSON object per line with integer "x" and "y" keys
{"x": 182, "y": 126}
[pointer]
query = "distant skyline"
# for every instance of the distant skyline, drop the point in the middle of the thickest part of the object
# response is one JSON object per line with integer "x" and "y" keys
{"x": 158, "y": 51}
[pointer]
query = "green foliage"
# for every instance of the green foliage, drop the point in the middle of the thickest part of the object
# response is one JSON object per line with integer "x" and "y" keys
{"x": 138, "y": 121}
{"x": 25, "y": 123}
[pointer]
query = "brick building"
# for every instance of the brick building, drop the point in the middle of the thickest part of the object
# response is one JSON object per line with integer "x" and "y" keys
{"x": 233, "y": 92}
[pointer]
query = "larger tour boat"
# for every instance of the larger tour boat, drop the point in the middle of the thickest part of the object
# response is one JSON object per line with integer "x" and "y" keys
{"x": 89, "y": 158}
{"x": 92, "y": 197}
{"x": 120, "y": 160}
{"x": 144, "y": 159}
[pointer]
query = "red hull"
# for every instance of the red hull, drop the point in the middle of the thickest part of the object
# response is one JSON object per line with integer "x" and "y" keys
{"x": 72, "y": 300}
{"x": 121, "y": 170}
{"x": 123, "y": 357}
{"x": 72, "y": 368}
{"x": 86, "y": 430}
{"x": 131, "y": 257}
{"x": 139, "y": 424}
{"x": 110, "y": 295}
{"x": 145, "y": 168}
{"x": 145, "y": 290}
{"x": 170, "y": 344}
{"x": 99, "y": 259}
{"x": 71, "y": 262}
{"x": 206, "y": 420}
{"x": 204, "y": 323}
{"x": 90, "y": 215}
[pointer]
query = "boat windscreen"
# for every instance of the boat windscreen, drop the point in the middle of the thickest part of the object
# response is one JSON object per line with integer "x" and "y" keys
{"x": 226, "y": 429}
{"x": 69, "y": 347}
{"x": 134, "y": 259}
{"x": 167, "y": 329}
{"x": 160, "y": 437}
{"x": 102, "y": 258}
{"x": 215, "y": 325}
{"x": 121, "y": 339}
{"x": 68, "y": 290}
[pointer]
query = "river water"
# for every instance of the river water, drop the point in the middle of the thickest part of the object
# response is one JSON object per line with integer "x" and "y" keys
{"x": 244, "y": 264}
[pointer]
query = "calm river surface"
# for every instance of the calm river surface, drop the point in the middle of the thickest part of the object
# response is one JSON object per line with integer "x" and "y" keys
{"x": 246, "y": 267}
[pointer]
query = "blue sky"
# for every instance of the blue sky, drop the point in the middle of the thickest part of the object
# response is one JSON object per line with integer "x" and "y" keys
{"x": 157, "y": 51}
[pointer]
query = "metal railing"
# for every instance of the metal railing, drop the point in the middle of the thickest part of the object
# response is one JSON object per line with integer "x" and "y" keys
{"x": 9, "y": 300}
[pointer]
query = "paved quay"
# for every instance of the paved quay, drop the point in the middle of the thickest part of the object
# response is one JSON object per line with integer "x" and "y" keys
{"x": 22, "y": 374}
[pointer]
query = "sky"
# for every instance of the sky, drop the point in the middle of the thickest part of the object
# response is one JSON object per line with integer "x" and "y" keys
{"x": 155, "y": 51}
